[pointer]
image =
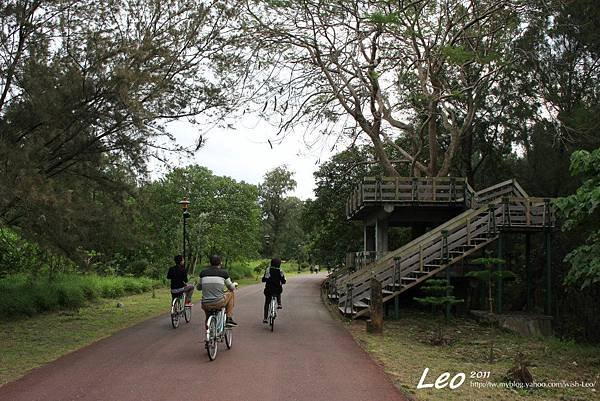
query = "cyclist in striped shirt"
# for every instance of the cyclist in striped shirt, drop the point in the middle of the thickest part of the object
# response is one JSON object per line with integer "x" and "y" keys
{"x": 213, "y": 281}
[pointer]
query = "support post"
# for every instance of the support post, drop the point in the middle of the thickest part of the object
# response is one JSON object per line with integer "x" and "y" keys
{"x": 375, "y": 324}
{"x": 528, "y": 270}
{"x": 448, "y": 293}
{"x": 397, "y": 276}
{"x": 548, "y": 253}
{"x": 415, "y": 189}
{"x": 349, "y": 288}
{"x": 492, "y": 220}
{"x": 499, "y": 278}
{"x": 445, "y": 253}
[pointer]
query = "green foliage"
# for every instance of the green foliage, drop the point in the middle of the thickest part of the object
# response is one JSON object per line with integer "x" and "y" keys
{"x": 580, "y": 211}
{"x": 324, "y": 218}
{"x": 458, "y": 55}
{"x": 439, "y": 298}
{"x": 281, "y": 215}
{"x": 20, "y": 295}
{"x": 240, "y": 270}
{"x": 224, "y": 218}
{"x": 380, "y": 18}
{"x": 489, "y": 276}
{"x": 439, "y": 294}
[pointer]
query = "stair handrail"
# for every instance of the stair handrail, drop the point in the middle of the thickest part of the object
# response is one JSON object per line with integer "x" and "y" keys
{"x": 512, "y": 183}
{"x": 381, "y": 271}
{"x": 448, "y": 225}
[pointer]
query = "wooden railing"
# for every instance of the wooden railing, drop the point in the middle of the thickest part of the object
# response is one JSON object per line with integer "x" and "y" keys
{"x": 410, "y": 189}
{"x": 447, "y": 243}
{"x": 508, "y": 188}
{"x": 358, "y": 260}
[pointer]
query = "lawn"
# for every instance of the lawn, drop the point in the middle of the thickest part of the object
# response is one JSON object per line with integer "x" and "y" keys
{"x": 405, "y": 350}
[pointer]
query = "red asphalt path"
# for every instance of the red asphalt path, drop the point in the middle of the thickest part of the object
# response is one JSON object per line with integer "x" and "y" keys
{"x": 309, "y": 356}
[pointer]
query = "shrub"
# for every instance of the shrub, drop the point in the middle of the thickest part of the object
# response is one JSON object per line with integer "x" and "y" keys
{"x": 25, "y": 295}
{"x": 239, "y": 270}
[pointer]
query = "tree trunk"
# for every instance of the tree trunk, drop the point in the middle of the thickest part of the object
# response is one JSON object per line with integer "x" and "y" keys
{"x": 433, "y": 144}
{"x": 375, "y": 324}
{"x": 382, "y": 156}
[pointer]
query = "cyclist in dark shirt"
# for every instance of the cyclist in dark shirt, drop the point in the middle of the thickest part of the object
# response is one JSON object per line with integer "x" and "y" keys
{"x": 179, "y": 280}
{"x": 274, "y": 278}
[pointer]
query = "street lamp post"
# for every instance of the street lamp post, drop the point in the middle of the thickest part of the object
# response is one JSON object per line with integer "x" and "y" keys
{"x": 186, "y": 215}
{"x": 267, "y": 237}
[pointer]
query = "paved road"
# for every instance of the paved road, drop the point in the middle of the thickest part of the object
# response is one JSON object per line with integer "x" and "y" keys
{"x": 310, "y": 356}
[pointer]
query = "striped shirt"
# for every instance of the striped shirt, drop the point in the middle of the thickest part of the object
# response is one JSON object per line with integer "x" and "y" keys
{"x": 213, "y": 281}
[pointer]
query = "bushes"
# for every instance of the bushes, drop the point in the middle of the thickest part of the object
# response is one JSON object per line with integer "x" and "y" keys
{"x": 240, "y": 270}
{"x": 22, "y": 295}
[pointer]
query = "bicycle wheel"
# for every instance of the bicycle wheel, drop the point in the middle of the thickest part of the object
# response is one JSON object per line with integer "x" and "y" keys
{"x": 188, "y": 314}
{"x": 272, "y": 314}
{"x": 211, "y": 342}
{"x": 228, "y": 337}
{"x": 175, "y": 313}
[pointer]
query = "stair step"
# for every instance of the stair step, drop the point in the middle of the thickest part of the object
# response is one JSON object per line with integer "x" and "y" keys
{"x": 346, "y": 311}
{"x": 386, "y": 292}
{"x": 360, "y": 304}
{"x": 409, "y": 278}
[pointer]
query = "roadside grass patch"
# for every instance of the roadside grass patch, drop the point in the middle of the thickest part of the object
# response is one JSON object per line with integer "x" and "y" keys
{"x": 404, "y": 351}
{"x": 28, "y": 343}
{"x": 22, "y": 295}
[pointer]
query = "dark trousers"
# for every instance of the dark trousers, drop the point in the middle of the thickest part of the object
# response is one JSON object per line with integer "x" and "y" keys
{"x": 268, "y": 301}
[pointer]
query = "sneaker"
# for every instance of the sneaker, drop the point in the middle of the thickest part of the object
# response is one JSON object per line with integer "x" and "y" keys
{"x": 279, "y": 307}
{"x": 230, "y": 322}
{"x": 265, "y": 321}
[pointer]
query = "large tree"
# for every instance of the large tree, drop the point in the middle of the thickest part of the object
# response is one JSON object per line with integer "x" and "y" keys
{"x": 410, "y": 74}
{"x": 225, "y": 217}
{"x": 86, "y": 89}
{"x": 280, "y": 213}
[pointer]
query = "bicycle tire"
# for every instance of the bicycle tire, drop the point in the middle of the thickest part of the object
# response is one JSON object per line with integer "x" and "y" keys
{"x": 175, "y": 313}
{"x": 272, "y": 314}
{"x": 211, "y": 342}
{"x": 187, "y": 314}
{"x": 228, "y": 337}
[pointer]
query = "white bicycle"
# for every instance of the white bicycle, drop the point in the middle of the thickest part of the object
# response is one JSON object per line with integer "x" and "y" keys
{"x": 216, "y": 332}
{"x": 272, "y": 314}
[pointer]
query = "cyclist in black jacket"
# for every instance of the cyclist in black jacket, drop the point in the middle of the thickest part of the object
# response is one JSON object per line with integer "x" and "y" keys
{"x": 179, "y": 280}
{"x": 274, "y": 278}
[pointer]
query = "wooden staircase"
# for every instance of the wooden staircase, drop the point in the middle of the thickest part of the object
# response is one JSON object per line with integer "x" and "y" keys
{"x": 505, "y": 206}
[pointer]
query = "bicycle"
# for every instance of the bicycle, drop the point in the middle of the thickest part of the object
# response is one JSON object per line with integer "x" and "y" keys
{"x": 272, "y": 314}
{"x": 217, "y": 331}
{"x": 179, "y": 308}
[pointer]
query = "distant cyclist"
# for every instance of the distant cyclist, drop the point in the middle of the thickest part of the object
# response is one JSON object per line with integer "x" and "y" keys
{"x": 179, "y": 280}
{"x": 274, "y": 278}
{"x": 213, "y": 281}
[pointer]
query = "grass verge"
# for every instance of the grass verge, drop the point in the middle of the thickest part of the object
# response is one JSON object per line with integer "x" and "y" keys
{"x": 404, "y": 351}
{"x": 31, "y": 342}
{"x": 24, "y": 295}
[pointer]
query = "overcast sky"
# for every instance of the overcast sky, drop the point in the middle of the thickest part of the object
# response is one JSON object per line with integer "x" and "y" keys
{"x": 244, "y": 154}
